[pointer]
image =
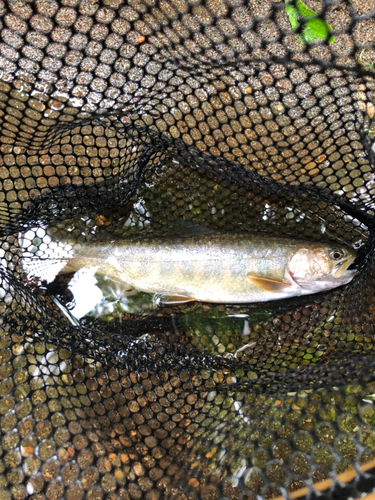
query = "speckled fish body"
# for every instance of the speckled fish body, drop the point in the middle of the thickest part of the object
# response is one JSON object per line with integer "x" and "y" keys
{"x": 221, "y": 267}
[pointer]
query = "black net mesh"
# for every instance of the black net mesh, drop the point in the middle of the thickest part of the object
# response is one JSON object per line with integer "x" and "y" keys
{"x": 128, "y": 118}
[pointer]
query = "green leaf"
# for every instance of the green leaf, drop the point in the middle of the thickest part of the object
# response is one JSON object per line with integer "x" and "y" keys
{"x": 293, "y": 16}
{"x": 314, "y": 27}
{"x": 304, "y": 11}
{"x": 317, "y": 29}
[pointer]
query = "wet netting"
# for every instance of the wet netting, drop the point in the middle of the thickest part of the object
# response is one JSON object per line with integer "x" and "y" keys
{"x": 133, "y": 118}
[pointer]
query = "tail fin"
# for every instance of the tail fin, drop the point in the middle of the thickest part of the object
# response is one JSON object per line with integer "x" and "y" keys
{"x": 46, "y": 269}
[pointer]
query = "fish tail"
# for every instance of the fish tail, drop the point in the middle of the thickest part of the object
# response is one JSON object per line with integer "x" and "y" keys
{"x": 47, "y": 268}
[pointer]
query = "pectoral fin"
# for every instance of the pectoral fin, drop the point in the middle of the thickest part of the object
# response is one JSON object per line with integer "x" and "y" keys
{"x": 172, "y": 299}
{"x": 268, "y": 285}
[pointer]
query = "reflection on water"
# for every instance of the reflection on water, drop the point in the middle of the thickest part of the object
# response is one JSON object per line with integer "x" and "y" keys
{"x": 216, "y": 332}
{"x": 116, "y": 299}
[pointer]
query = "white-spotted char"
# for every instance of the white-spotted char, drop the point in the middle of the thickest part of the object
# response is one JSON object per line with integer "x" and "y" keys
{"x": 221, "y": 267}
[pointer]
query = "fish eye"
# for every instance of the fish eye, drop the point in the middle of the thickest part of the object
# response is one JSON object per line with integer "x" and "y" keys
{"x": 336, "y": 254}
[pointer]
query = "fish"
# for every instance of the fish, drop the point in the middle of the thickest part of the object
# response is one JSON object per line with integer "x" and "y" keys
{"x": 227, "y": 268}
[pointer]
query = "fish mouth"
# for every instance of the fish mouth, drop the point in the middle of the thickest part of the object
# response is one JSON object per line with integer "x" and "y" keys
{"x": 340, "y": 269}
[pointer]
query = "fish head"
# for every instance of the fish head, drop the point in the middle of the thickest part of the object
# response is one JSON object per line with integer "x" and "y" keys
{"x": 321, "y": 267}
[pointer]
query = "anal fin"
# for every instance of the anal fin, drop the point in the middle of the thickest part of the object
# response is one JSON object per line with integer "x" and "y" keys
{"x": 269, "y": 285}
{"x": 161, "y": 298}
